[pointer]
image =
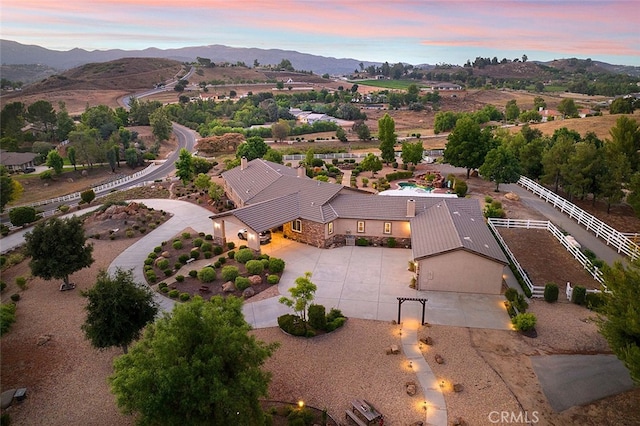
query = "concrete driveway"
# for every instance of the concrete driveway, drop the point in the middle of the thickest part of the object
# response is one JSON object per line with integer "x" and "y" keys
{"x": 365, "y": 282}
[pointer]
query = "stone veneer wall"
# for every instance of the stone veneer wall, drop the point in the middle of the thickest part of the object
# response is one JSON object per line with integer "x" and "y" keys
{"x": 312, "y": 233}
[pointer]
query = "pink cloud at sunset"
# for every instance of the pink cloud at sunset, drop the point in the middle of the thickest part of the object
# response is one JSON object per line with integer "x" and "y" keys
{"x": 406, "y": 30}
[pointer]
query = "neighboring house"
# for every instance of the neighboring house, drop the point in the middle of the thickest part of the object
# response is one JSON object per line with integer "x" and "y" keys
{"x": 452, "y": 247}
{"x": 443, "y": 86}
{"x": 309, "y": 117}
{"x": 17, "y": 161}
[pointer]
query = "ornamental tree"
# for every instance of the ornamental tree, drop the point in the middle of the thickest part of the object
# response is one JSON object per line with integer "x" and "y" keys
{"x": 198, "y": 366}
{"x": 58, "y": 248}
{"x": 301, "y": 295}
{"x": 118, "y": 309}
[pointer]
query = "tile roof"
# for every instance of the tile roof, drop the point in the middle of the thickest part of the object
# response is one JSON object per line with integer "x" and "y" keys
{"x": 8, "y": 158}
{"x": 276, "y": 195}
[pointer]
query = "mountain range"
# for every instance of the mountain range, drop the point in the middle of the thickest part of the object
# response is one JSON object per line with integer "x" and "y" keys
{"x": 14, "y": 53}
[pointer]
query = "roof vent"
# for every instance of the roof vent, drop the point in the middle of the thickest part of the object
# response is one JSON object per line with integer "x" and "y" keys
{"x": 411, "y": 208}
{"x": 243, "y": 163}
{"x": 467, "y": 238}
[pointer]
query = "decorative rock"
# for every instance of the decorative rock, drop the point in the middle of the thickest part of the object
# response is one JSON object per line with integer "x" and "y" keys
{"x": 427, "y": 340}
{"x": 43, "y": 339}
{"x": 458, "y": 387}
{"x": 255, "y": 279}
{"x": 512, "y": 196}
{"x": 248, "y": 292}
{"x": 166, "y": 254}
{"x": 393, "y": 350}
{"x": 158, "y": 259}
{"x": 228, "y": 287}
{"x": 439, "y": 359}
{"x": 411, "y": 388}
{"x": 458, "y": 421}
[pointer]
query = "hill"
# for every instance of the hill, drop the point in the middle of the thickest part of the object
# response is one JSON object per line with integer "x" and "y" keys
{"x": 14, "y": 53}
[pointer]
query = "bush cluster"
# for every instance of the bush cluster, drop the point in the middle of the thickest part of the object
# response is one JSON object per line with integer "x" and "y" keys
{"x": 516, "y": 302}
{"x": 524, "y": 321}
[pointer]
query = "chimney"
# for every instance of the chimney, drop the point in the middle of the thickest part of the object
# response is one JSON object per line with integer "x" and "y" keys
{"x": 411, "y": 208}
{"x": 243, "y": 163}
{"x": 302, "y": 172}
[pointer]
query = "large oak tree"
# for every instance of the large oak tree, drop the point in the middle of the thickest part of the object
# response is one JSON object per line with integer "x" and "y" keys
{"x": 196, "y": 366}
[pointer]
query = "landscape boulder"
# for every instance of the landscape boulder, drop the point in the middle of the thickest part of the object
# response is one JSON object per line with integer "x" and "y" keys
{"x": 228, "y": 287}
{"x": 255, "y": 279}
{"x": 248, "y": 292}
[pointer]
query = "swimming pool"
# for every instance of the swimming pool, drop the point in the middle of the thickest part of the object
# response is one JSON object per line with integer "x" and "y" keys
{"x": 413, "y": 189}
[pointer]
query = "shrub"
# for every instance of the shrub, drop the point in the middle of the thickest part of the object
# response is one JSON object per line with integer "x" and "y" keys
{"x": 164, "y": 289}
{"x": 186, "y": 235}
{"x": 64, "y": 208}
{"x": 208, "y": 237}
{"x": 276, "y": 265}
{"x": 184, "y": 297}
{"x": 579, "y": 295}
{"x": 177, "y": 265}
{"x": 15, "y": 297}
{"x": 229, "y": 273}
{"x": 207, "y": 255}
{"x": 157, "y": 249}
{"x": 524, "y": 322}
{"x": 218, "y": 264}
{"x": 231, "y": 254}
{"x": 198, "y": 242}
{"x": 162, "y": 284}
{"x": 173, "y": 293}
{"x": 265, "y": 263}
{"x": 292, "y": 324}
{"x": 362, "y": 242}
{"x": 511, "y": 294}
{"x": 167, "y": 272}
{"x": 230, "y": 245}
{"x": 242, "y": 283}
{"x": 20, "y": 216}
{"x": 151, "y": 276}
{"x": 193, "y": 273}
{"x": 129, "y": 233}
{"x": 177, "y": 244}
{"x": 521, "y": 303}
{"x": 207, "y": 274}
{"x": 334, "y": 314}
{"x": 317, "y": 317}
{"x": 595, "y": 301}
{"x": 180, "y": 278}
{"x": 222, "y": 260}
{"x": 244, "y": 255}
{"x": 273, "y": 279}
{"x": 494, "y": 209}
{"x": 3, "y": 285}
{"x": 21, "y": 282}
{"x": 335, "y": 324}
{"x": 183, "y": 258}
{"x": 460, "y": 188}
{"x": 7, "y": 316}
{"x": 153, "y": 255}
{"x": 254, "y": 267}
{"x": 391, "y": 242}
{"x": 194, "y": 254}
{"x": 206, "y": 247}
{"x": 163, "y": 264}
{"x": 217, "y": 250}
{"x": 551, "y": 292}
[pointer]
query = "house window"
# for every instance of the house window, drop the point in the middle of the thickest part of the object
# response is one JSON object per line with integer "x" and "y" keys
{"x": 296, "y": 225}
{"x": 330, "y": 228}
{"x": 387, "y": 227}
{"x": 361, "y": 226}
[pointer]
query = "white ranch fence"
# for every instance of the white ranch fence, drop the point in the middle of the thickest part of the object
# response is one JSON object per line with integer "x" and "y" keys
{"x": 569, "y": 291}
{"x": 538, "y": 291}
{"x": 621, "y": 242}
{"x": 72, "y": 200}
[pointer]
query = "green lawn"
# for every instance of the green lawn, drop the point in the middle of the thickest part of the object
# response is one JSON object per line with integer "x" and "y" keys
{"x": 385, "y": 84}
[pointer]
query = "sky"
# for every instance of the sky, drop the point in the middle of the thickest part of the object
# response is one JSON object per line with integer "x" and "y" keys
{"x": 410, "y": 31}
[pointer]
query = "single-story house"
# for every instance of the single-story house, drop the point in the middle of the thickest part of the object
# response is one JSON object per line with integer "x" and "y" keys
{"x": 452, "y": 247}
{"x": 17, "y": 161}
